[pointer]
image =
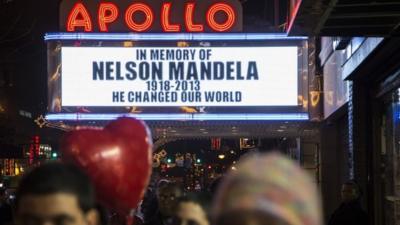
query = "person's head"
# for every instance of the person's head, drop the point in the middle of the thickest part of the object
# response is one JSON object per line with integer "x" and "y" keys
{"x": 167, "y": 196}
{"x": 190, "y": 211}
{"x": 214, "y": 185}
{"x": 56, "y": 194}
{"x": 267, "y": 189}
{"x": 350, "y": 191}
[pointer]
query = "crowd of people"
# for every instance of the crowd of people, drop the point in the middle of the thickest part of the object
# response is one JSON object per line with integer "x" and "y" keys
{"x": 266, "y": 189}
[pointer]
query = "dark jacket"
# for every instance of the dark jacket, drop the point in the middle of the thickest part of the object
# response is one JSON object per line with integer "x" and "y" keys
{"x": 157, "y": 219}
{"x": 5, "y": 214}
{"x": 349, "y": 214}
{"x": 151, "y": 213}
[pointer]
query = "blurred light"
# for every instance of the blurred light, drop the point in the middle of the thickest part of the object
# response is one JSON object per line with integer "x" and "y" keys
{"x": 54, "y": 155}
{"x": 17, "y": 172}
{"x": 205, "y": 44}
{"x": 209, "y": 167}
{"x": 198, "y": 160}
{"x": 233, "y": 168}
{"x": 1, "y": 185}
{"x": 128, "y": 44}
{"x": 222, "y": 156}
{"x": 315, "y": 98}
{"x": 183, "y": 44}
{"x": 232, "y": 152}
{"x": 163, "y": 36}
{"x": 169, "y": 160}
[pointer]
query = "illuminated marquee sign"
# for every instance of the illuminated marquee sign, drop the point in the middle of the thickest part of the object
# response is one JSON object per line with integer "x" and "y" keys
{"x": 151, "y": 16}
{"x": 170, "y": 77}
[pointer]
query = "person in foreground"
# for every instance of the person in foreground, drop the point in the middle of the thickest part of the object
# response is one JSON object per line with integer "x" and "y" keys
{"x": 267, "y": 189}
{"x": 56, "y": 194}
{"x": 191, "y": 210}
{"x": 167, "y": 196}
{"x": 350, "y": 211}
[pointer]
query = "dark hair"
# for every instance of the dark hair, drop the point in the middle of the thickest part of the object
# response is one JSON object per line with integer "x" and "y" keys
{"x": 103, "y": 214}
{"x": 58, "y": 178}
{"x": 171, "y": 186}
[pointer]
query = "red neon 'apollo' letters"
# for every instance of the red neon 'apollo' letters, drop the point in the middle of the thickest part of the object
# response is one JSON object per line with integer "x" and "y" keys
{"x": 108, "y": 13}
{"x": 149, "y": 17}
{"x": 166, "y": 24}
{"x": 105, "y": 19}
{"x": 73, "y": 21}
{"x": 211, "y": 17}
{"x": 190, "y": 26}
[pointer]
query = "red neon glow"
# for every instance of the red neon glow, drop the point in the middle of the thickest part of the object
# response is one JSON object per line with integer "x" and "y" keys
{"x": 190, "y": 26}
{"x": 108, "y": 13}
{"x": 37, "y": 145}
{"x": 149, "y": 17}
{"x": 228, "y": 10}
{"x": 293, "y": 15}
{"x": 166, "y": 25}
{"x": 73, "y": 21}
{"x": 31, "y": 156}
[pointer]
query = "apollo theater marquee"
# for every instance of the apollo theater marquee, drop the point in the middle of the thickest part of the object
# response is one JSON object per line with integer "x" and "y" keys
{"x": 171, "y": 60}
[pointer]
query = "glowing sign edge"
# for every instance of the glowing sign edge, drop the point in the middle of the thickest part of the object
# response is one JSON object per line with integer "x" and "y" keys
{"x": 181, "y": 116}
{"x": 171, "y": 37}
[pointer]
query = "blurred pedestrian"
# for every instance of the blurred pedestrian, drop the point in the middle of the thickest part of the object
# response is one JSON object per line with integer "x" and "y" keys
{"x": 56, "y": 194}
{"x": 167, "y": 196}
{"x": 191, "y": 210}
{"x": 267, "y": 189}
{"x": 6, "y": 215}
{"x": 349, "y": 211}
{"x": 213, "y": 187}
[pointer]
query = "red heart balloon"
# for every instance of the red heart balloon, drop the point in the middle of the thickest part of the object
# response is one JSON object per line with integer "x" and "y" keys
{"x": 117, "y": 159}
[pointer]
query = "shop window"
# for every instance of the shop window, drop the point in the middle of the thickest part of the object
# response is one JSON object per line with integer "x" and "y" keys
{"x": 390, "y": 159}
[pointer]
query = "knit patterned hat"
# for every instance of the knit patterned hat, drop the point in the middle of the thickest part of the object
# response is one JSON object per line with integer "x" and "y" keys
{"x": 273, "y": 185}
